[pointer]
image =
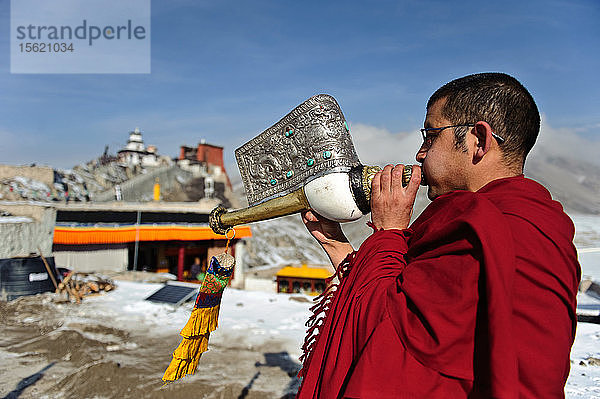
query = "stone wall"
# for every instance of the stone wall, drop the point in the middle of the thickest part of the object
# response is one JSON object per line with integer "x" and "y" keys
{"x": 23, "y": 238}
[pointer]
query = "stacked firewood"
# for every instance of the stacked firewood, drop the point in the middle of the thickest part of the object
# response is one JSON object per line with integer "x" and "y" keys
{"x": 77, "y": 285}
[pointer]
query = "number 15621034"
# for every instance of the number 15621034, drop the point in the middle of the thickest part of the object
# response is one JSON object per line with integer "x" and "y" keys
{"x": 46, "y": 47}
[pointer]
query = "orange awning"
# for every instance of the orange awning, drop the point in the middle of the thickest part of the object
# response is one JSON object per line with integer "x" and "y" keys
{"x": 116, "y": 235}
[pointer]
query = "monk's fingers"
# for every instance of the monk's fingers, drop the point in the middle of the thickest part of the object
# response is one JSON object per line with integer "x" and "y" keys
{"x": 396, "y": 184}
{"x": 386, "y": 178}
{"x": 309, "y": 216}
{"x": 376, "y": 184}
{"x": 415, "y": 181}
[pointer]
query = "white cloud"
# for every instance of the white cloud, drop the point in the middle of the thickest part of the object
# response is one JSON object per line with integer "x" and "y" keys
{"x": 565, "y": 143}
{"x": 379, "y": 146}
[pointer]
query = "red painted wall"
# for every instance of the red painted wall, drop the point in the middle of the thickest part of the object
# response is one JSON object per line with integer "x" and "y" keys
{"x": 211, "y": 154}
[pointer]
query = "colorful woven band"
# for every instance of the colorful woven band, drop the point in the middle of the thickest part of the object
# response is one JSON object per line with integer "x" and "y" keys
{"x": 207, "y": 300}
{"x": 216, "y": 268}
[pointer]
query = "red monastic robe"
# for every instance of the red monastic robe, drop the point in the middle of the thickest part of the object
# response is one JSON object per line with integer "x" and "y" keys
{"x": 475, "y": 300}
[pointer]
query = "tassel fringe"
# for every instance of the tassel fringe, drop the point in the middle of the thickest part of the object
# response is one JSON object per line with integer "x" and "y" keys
{"x": 203, "y": 320}
{"x": 320, "y": 312}
{"x": 194, "y": 343}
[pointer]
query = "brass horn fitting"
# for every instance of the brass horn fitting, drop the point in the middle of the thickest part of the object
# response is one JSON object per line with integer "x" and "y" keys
{"x": 220, "y": 220}
{"x": 214, "y": 220}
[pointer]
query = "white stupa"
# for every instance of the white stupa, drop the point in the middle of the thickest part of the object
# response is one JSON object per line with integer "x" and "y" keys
{"x": 135, "y": 142}
{"x": 135, "y": 150}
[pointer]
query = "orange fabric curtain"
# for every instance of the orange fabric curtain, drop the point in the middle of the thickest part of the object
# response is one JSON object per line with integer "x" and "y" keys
{"x": 114, "y": 235}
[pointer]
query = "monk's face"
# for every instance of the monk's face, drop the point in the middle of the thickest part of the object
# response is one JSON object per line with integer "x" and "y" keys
{"x": 445, "y": 167}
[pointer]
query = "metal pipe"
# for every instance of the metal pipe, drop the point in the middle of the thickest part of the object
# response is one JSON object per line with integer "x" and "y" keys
{"x": 137, "y": 240}
{"x": 220, "y": 220}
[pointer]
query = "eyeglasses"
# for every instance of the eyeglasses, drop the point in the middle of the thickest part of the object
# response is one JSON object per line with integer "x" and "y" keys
{"x": 430, "y": 133}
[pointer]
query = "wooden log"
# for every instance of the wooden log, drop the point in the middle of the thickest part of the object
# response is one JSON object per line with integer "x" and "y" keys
{"x": 50, "y": 273}
{"x": 73, "y": 293}
{"x": 93, "y": 287}
{"x": 68, "y": 278}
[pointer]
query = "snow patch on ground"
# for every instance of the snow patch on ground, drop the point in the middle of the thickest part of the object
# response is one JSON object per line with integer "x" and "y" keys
{"x": 251, "y": 319}
{"x": 248, "y": 318}
{"x": 587, "y": 231}
{"x": 584, "y": 379}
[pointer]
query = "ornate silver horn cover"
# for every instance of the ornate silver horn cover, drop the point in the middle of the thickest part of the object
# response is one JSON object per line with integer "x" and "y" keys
{"x": 311, "y": 141}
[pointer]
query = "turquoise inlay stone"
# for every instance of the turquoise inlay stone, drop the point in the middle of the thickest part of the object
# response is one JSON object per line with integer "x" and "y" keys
{"x": 289, "y": 133}
{"x": 346, "y": 126}
{"x": 273, "y": 182}
{"x": 289, "y": 174}
{"x": 326, "y": 154}
{"x": 310, "y": 162}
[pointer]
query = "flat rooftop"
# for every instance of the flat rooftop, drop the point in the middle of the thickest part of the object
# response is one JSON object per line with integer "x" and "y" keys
{"x": 121, "y": 206}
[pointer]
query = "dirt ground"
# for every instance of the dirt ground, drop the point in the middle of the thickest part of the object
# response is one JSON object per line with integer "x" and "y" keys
{"x": 43, "y": 353}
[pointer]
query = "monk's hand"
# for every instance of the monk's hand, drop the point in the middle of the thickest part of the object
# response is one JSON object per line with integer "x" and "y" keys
{"x": 329, "y": 234}
{"x": 324, "y": 230}
{"x": 392, "y": 204}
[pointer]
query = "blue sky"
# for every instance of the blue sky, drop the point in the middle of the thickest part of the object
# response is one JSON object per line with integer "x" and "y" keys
{"x": 226, "y": 70}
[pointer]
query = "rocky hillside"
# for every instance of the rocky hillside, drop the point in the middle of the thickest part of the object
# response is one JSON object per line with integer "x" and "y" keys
{"x": 575, "y": 183}
{"x": 81, "y": 183}
{"x": 97, "y": 181}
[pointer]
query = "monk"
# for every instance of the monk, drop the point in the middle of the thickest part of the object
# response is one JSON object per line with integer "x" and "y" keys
{"x": 476, "y": 299}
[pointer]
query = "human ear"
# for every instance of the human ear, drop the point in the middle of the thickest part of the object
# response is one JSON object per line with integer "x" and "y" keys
{"x": 483, "y": 135}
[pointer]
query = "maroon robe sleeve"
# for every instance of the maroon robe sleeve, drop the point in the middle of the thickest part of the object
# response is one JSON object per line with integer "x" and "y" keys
{"x": 346, "y": 328}
{"x": 450, "y": 303}
{"x": 431, "y": 303}
{"x": 458, "y": 287}
{"x": 384, "y": 368}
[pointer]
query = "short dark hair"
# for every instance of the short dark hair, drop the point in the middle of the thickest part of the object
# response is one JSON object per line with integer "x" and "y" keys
{"x": 498, "y": 99}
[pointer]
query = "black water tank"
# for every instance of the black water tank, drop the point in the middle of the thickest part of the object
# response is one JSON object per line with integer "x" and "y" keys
{"x": 25, "y": 276}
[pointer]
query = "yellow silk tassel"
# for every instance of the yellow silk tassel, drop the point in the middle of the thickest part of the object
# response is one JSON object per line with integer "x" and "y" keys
{"x": 203, "y": 320}
{"x": 194, "y": 343}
